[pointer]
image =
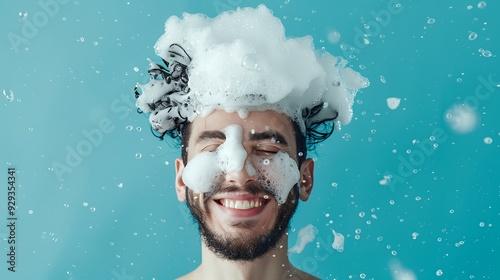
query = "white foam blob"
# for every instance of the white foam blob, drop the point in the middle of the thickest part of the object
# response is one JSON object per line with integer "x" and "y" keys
{"x": 338, "y": 241}
{"x": 399, "y": 272}
{"x": 462, "y": 118}
{"x": 277, "y": 173}
{"x": 393, "y": 102}
{"x": 306, "y": 235}
{"x": 242, "y": 59}
{"x": 333, "y": 37}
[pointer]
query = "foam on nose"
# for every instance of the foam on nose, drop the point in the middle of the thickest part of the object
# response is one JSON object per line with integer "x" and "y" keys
{"x": 232, "y": 155}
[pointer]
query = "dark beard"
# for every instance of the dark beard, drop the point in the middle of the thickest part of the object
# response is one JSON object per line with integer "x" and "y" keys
{"x": 244, "y": 248}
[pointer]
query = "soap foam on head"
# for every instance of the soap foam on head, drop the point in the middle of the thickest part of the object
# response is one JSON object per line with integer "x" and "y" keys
{"x": 242, "y": 59}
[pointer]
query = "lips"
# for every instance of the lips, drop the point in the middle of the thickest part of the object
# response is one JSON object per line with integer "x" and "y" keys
{"x": 241, "y": 205}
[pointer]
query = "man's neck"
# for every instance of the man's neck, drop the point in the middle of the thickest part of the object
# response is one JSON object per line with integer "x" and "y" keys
{"x": 273, "y": 265}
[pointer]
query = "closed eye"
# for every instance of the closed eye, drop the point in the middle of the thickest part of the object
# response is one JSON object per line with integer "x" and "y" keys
{"x": 211, "y": 147}
{"x": 266, "y": 151}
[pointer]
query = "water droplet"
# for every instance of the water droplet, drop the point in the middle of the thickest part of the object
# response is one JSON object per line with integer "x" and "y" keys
{"x": 469, "y": 7}
{"x": 486, "y": 53}
{"x": 166, "y": 162}
{"x": 431, "y": 21}
{"x": 439, "y": 272}
{"x": 452, "y": 211}
{"x": 418, "y": 198}
{"x": 362, "y": 276}
{"x": 488, "y": 140}
{"x": 382, "y": 79}
{"x": 138, "y": 129}
{"x": 92, "y": 209}
{"x": 334, "y": 37}
{"x": 265, "y": 161}
{"x": 394, "y": 252}
{"x": 472, "y": 36}
{"x": 138, "y": 155}
{"x": 481, "y": 224}
{"x": 361, "y": 214}
{"x": 111, "y": 243}
{"x": 8, "y": 94}
{"x": 136, "y": 69}
{"x": 392, "y": 202}
{"x": 414, "y": 235}
{"x": 357, "y": 231}
{"x": 481, "y": 5}
{"x": 85, "y": 204}
{"x": 82, "y": 39}
{"x": 334, "y": 184}
{"x": 346, "y": 136}
{"x": 30, "y": 212}
{"x": 129, "y": 127}
{"x": 120, "y": 185}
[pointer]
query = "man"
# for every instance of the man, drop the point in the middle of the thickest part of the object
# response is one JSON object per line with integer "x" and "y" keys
{"x": 246, "y": 103}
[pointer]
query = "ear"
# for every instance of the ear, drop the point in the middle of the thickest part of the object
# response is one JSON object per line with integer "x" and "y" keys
{"x": 180, "y": 187}
{"x": 306, "y": 179}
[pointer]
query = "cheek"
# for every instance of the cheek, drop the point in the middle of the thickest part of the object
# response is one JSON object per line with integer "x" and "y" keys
{"x": 201, "y": 172}
{"x": 277, "y": 174}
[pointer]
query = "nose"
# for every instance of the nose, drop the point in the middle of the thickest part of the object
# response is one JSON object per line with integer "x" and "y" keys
{"x": 243, "y": 176}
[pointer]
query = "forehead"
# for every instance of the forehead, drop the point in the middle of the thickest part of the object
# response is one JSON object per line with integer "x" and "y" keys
{"x": 256, "y": 121}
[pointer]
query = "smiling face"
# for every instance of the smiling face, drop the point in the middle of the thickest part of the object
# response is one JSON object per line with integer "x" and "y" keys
{"x": 240, "y": 178}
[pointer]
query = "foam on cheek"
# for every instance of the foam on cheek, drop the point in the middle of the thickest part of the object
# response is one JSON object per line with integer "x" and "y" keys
{"x": 277, "y": 174}
{"x": 203, "y": 173}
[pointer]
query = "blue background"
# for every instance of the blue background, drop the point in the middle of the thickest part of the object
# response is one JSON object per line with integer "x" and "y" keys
{"x": 113, "y": 214}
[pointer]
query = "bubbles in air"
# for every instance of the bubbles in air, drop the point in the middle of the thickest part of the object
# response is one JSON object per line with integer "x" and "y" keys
{"x": 338, "y": 241}
{"x": 8, "y": 94}
{"x": 472, "y": 36}
{"x": 393, "y": 102}
{"x": 462, "y": 118}
{"x": 334, "y": 37}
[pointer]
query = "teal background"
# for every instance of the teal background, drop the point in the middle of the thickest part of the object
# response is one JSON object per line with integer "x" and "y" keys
{"x": 113, "y": 215}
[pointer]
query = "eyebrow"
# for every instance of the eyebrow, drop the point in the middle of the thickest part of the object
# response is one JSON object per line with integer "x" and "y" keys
{"x": 269, "y": 135}
{"x": 211, "y": 134}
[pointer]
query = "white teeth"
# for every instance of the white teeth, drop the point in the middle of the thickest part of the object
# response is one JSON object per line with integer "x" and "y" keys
{"x": 242, "y": 204}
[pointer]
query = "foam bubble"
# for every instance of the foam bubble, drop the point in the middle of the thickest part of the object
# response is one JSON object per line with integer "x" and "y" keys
{"x": 306, "y": 235}
{"x": 393, "y": 102}
{"x": 338, "y": 241}
{"x": 462, "y": 118}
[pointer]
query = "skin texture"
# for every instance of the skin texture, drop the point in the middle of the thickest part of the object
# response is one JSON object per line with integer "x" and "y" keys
{"x": 229, "y": 224}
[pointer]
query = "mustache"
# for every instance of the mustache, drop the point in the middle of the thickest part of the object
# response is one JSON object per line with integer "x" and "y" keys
{"x": 252, "y": 188}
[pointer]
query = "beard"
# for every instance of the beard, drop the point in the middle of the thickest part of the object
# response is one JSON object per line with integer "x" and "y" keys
{"x": 243, "y": 247}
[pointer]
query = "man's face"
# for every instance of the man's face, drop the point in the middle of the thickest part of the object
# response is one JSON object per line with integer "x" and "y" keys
{"x": 241, "y": 218}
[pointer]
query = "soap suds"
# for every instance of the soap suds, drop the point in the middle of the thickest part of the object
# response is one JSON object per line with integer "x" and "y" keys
{"x": 276, "y": 173}
{"x": 241, "y": 60}
{"x": 306, "y": 235}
